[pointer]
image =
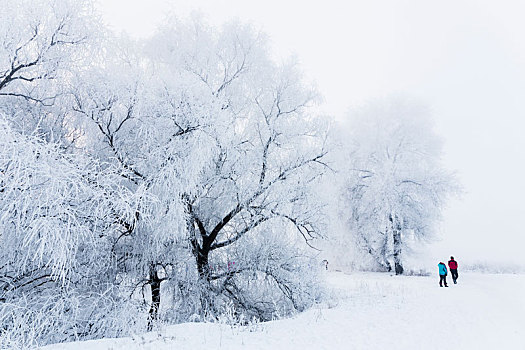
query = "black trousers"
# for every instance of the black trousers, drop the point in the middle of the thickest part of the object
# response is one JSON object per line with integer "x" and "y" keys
{"x": 454, "y": 273}
{"x": 442, "y": 278}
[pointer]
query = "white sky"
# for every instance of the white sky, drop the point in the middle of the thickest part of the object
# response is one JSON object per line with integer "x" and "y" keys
{"x": 464, "y": 58}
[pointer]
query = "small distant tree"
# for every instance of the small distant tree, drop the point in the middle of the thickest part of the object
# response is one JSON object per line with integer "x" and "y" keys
{"x": 396, "y": 187}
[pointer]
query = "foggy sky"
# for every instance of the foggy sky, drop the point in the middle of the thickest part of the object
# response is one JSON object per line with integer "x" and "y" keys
{"x": 464, "y": 58}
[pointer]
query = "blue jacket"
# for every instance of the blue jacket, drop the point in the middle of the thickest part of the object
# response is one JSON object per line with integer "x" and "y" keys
{"x": 442, "y": 269}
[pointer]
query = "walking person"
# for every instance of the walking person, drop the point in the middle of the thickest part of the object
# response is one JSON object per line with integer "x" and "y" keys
{"x": 442, "y": 274}
{"x": 453, "y": 266}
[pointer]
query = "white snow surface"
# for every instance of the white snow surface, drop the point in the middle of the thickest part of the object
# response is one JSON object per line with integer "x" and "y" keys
{"x": 368, "y": 311}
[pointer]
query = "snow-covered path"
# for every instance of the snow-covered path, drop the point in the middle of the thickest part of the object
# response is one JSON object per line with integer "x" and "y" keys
{"x": 373, "y": 311}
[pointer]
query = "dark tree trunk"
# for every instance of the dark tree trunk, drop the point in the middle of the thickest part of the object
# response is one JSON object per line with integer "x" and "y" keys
{"x": 203, "y": 265}
{"x": 396, "y": 235}
{"x": 397, "y": 252}
{"x": 201, "y": 250}
{"x": 203, "y": 268}
{"x": 154, "y": 282}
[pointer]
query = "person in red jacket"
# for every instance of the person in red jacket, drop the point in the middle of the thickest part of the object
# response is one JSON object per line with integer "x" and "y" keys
{"x": 453, "y": 266}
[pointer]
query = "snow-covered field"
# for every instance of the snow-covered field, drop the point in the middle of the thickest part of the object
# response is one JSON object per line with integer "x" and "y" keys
{"x": 371, "y": 311}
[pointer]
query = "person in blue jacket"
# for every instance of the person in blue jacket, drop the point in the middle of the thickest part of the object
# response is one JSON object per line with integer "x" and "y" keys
{"x": 442, "y": 274}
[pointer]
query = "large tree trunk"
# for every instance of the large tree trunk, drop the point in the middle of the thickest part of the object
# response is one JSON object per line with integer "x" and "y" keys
{"x": 203, "y": 265}
{"x": 154, "y": 282}
{"x": 397, "y": 251}
{"x": 396, "y": 235}
{"x": 201, "y": 251}
{"x": 203, "y": 268}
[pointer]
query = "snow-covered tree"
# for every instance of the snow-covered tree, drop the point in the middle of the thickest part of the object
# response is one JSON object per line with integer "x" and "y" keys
{"x": 255, "y": 193}
{"x": 41, "y": 42}
{"x": 219, "y": 142}
{"x": 57, "y": 267}
{"x": 187, "y": 165}
{"x": 54, "y": 251}
{"x": 124, "y": 124}
{"x": 55, "y": 261}
{"x": 396, "y": 187}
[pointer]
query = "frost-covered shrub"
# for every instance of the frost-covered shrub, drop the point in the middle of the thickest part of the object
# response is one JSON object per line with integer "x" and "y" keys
{"x": 417, "y": 272}
{"x": 487, "y": 267}
{"x": 58, "y": 315}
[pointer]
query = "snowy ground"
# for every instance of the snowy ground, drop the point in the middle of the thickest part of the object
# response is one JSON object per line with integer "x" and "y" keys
{"x": 373, "y": 311}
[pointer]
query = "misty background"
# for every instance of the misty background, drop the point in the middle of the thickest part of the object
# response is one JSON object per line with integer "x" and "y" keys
{"x": 465, "y": 59}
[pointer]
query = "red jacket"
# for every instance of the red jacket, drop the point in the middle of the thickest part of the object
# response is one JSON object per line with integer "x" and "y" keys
{"x": 452, "y": 264}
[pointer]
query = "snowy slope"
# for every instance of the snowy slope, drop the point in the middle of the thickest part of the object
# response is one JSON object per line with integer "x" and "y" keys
{"x": 373, "y": 311}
